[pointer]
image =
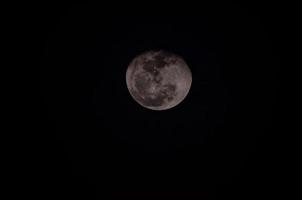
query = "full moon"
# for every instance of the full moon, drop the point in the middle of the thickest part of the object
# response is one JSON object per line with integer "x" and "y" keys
{"x": 158, "y": 80}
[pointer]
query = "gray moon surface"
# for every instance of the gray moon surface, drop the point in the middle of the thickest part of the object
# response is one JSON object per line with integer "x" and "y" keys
{"x": 158, "y": 80}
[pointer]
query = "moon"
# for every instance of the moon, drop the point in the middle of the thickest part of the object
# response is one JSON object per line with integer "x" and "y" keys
{"x": 158, "y": 80}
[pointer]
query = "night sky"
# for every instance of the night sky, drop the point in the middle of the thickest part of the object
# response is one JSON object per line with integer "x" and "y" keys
{"x": 96, "y": 142}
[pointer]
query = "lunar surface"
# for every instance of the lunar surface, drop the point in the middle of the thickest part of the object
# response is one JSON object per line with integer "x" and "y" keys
{"x": 158, "y": 80}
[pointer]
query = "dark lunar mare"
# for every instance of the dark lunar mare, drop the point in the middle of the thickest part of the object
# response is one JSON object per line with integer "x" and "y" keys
{"x": 150, "y": 67}
{"x": 142, "y": 83}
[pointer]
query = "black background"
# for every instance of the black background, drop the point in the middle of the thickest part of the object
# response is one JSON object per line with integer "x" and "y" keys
{"x": 96, "y": 142}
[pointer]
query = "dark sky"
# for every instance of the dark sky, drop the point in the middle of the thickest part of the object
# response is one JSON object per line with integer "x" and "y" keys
{"x": 96, "y": 141}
